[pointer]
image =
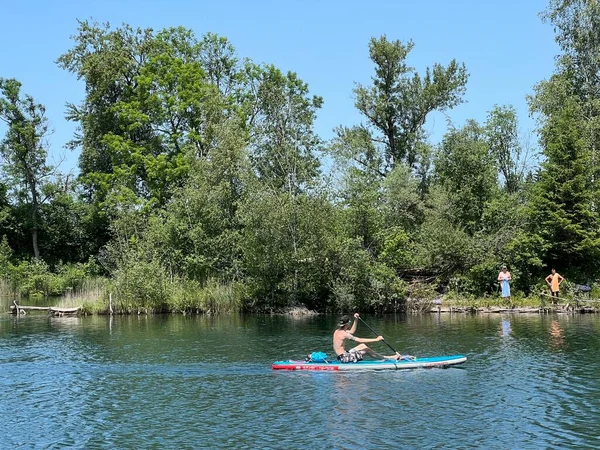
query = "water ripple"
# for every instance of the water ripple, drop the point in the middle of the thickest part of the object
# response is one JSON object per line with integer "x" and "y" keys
{"x": 181, "y": 383}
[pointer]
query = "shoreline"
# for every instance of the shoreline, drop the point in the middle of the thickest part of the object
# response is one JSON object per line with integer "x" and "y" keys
{"x": 561, "y": 309}
{"x": 459, "y": 309}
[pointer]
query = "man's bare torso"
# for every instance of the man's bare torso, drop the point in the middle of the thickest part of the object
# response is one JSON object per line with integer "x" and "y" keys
{"x": 339, "y": 336}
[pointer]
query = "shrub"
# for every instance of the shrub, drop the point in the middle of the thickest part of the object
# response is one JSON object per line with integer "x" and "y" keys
{"x": 140, "y": 285}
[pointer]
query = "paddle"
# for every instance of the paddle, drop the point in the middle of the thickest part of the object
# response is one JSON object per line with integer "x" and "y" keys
{"x": 406, "y": 357}
{"x": 377, "y": 334}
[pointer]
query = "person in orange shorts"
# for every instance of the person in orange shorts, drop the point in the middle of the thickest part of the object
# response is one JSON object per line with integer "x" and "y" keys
{"x": 554, "y": 280}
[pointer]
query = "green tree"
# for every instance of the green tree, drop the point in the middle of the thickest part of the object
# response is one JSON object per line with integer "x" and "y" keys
{"x": 155, "y": 103}
{"x": 285, "y": 246}
{"x": 199, "y": 230}
{"x": 282, "y": 139}
{"x": 371, "y": 246}
{"x": 577, "y": 27}
{"x": 24, "y": 154}
{"x": 362, "y": 217}
{"x": 443, "y": 246}
{"x": 402, "y": 199}
{"x": 398, "y": 102}
{"x": 67, "y": 232}
{"x": 577, "y": 75}
{"x": 564, "y": 206}
{"x": 282, "y": 149}
{"x": 563, "y": 203}
{"x": 466, "y": 170}
{"x": 222, "y": 67}
{"x": 503, "y": 139}
{"x": 109, "y": 62}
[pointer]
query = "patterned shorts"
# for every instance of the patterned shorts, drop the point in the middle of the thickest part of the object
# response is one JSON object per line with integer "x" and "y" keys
{"x": 350, "y": 357}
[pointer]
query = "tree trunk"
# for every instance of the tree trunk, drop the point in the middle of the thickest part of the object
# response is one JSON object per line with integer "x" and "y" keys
{"x": 34, "y": 216}
{"x": 34, "y": 238}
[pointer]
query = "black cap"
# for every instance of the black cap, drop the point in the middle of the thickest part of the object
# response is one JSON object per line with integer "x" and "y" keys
{"x": 344, "y": 320}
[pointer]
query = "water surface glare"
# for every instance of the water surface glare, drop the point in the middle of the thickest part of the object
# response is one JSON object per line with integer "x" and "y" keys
{"x": 200, "y": 382}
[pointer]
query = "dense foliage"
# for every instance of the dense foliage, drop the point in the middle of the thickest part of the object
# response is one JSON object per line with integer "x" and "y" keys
{"x": 201, "y": 181}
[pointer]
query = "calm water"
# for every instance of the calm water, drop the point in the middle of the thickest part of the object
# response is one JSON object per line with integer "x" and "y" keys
{"x": 189, "y": 383}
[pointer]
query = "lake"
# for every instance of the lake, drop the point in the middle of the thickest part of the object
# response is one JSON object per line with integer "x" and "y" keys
{"x": 162, "y": 382}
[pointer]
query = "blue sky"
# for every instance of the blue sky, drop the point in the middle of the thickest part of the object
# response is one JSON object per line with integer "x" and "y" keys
{"x": 504, "y": 44}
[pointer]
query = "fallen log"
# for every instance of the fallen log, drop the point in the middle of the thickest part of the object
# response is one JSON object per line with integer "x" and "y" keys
{"x": 19, "y": 309}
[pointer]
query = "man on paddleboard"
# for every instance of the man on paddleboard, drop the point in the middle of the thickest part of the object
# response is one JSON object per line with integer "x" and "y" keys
{"x": 354, "y": 354}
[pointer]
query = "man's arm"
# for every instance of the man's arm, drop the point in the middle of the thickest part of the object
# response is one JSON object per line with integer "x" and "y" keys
{"x": 368, "y": 341}
{"x": 353, "y": 328}
{"x": 349, "y": 335}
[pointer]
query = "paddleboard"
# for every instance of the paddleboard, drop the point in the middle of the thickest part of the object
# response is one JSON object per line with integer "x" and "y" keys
{"x": 334, "y": 365}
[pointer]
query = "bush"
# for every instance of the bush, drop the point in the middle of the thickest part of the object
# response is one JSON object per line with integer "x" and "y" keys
{"x": 421, "y": 296}
{"x": 366, "y": 284}
{"x": 140, "y": 285}
{"x": 33, "y": 278}
{"x": 214, "y": 298}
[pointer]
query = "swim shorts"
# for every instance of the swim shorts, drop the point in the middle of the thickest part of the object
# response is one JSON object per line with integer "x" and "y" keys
{"x": 350, "y": 357}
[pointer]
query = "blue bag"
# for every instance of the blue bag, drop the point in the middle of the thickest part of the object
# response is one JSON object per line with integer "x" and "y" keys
{"x": 317, "y": 357}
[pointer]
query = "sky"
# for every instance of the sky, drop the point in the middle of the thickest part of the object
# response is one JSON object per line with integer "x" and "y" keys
{"x": 505, "y": 46}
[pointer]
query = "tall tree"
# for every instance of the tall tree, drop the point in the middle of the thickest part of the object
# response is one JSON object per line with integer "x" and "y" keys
{"x": 199, "y": 230}
{"x": 564, "y": 212}
{"x": 466, "y": 170}
{"x": 152, "y": 99}
{"x": 577, "y": 27}
{"x": 109, "y": 62}
{"x": 24, "y": 152}
{"x": 565, "y": 203}
{"x": 503, "y": 139}
{"x": 282, "y": 148}
{"x": 398, "y": 102}
{"x": 283, "y": 143}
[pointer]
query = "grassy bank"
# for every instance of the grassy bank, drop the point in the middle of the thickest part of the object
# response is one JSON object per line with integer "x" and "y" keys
{"x": 143, "y": 292}
{"x": 182, "y": 298}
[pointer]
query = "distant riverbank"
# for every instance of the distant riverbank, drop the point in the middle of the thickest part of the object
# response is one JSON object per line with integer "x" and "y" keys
{"x": 62, "y": 306}
{"x": 541, "y": 304}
